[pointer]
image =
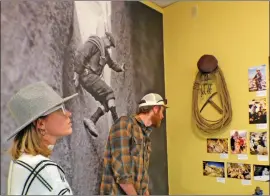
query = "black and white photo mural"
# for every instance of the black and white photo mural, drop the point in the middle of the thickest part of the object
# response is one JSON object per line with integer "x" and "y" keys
{"x": 111, "y": 53}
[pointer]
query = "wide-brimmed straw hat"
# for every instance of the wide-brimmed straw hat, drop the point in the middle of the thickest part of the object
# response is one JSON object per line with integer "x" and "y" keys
{"x": 32, "y": 102}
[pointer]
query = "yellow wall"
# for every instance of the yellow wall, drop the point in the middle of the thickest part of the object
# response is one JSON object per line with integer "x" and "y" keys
{"x": 237, "y": 34}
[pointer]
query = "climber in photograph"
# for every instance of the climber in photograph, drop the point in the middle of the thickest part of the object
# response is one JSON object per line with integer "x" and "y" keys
{"x": 89, "y": 64}
{"x": 258, "y": 79}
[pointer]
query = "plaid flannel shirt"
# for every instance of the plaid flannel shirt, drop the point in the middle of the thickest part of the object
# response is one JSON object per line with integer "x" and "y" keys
{"x": 126, "y": 157}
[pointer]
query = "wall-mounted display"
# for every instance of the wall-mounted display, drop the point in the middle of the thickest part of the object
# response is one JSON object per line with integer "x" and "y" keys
{"x": 261, "y": 173}
{"x": 217, "y": 145}
{"x": 209, "y": 75}
{"x": 257, "y": 78}
{"x": 257, "y": 111}
{"x": 239, "y": 171}
{"x": 213, "y": 169}
{"x": 238, "y": 142}
{"x": 258, "y": 143}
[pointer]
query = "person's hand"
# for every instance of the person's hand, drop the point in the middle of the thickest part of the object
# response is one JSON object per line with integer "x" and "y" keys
{"x": 146, "y": 193}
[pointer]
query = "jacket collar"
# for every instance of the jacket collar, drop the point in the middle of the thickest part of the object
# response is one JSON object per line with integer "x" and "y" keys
{"x": 146, "y": 130}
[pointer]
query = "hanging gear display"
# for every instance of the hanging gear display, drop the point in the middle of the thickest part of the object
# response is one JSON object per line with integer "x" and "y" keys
{"x": 209, "y": 70}
{"x": 206, "y": 86}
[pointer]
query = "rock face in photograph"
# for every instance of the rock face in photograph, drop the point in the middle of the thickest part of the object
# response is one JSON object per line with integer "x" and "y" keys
{"x": 35, "y": 40}
{"x": 39, "y": 41}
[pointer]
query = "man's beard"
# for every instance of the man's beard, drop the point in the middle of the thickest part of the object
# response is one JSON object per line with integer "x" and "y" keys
{"x": 156, "y": 122}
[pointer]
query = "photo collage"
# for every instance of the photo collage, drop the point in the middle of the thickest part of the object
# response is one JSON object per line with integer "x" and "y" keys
{"x": 257, "y": 106}
{"x": 237, "y": 145}
{"x": 243, "y": 143}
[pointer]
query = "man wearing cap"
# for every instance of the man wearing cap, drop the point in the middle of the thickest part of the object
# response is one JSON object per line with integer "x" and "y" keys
{"x": 258, "y": 79}
{"x": 89, "y": 64}
{"x": 128, "y": 148}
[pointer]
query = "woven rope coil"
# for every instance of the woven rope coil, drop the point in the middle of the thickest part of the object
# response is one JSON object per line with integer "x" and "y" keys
{"x": 208, "y": 126}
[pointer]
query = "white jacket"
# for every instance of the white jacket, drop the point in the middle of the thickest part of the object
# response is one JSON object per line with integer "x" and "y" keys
{"x": 36, "y": 175}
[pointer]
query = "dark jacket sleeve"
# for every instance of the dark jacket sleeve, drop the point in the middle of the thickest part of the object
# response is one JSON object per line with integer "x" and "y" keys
{"x": 112, "y": 64}
{"x": 83, "y": 56}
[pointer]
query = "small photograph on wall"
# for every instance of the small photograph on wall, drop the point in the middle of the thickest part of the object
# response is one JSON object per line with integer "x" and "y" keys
{"x": 217, "y": 145}
{"x": 257, "y": 78}
{"x": 239, "y": 171}
{"x": 261, "y": 173}
{"x": 257, "y": 111}
{"x": 213, "y": 169}
{"x": 258, "y": 143}
{"x": 238, "y": 142}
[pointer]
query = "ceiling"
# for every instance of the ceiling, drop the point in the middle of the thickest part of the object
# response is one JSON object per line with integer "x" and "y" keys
{"x": 163, "y": 3}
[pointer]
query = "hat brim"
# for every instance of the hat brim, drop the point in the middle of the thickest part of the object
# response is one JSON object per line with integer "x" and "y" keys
{"x": 70, "y": 97}
{"x": 37, "y": 116}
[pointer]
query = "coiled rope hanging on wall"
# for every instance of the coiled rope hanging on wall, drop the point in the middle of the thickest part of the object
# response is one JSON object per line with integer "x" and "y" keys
{"x": 207, "y": 65}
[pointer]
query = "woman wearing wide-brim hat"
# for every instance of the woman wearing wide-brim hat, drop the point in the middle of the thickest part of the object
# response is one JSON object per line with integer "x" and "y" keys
{"x": 42, "y": 119}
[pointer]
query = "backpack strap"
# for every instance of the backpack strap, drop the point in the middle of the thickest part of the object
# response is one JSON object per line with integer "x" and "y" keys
{"x": 99, "y": 43}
